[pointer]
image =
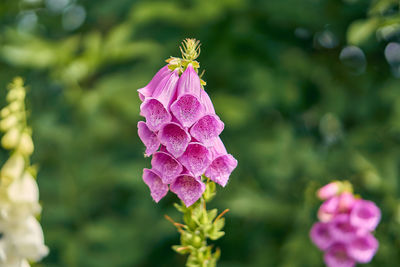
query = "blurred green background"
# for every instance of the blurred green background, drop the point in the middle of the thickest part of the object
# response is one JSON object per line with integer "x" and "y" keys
{"x": 309, "y": 92}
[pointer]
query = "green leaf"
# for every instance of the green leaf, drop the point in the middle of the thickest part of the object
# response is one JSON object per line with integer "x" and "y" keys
{"x": 361, "y": 30}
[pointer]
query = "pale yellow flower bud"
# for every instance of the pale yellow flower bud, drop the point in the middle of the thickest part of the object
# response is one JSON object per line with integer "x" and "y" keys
{"x": 15, "y": 106}
{"x": 5, "y": 112}
{"x": 24, "y": 190}
{"x": 8, "y": 122}
{"x": 11, "y": 138}
{"x": 14, "y": 167}
{"x": 26, "y": 144}
{"x": 16, "y": 94}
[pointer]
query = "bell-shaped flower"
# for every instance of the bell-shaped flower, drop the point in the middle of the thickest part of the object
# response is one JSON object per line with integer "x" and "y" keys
{"x": 337, "y": 256}
{"x": 365, "y": 215}
{"x": 196, "y": 159}
{"x": 222, "y": 165}
{"x": 208, "y": 127}
{"x": 328, "y": 191}
{"x": 363, "y": 248}
{"x": 341, "y": 229}
{"x": 328, "y": 209}
{"x": 148, "y": 137}
{"x": 156, "y": 108}
{"x": 188, "y": 108}
{"x": 29, "y": 240}
{"x": 174, "y": 138}
{"x": 158, "y": 189}
{"x": 321, "y": 235}
{"x": 188, "y": 188}
{"x": 167, "y": 166}
{"x": 149, "y": 89}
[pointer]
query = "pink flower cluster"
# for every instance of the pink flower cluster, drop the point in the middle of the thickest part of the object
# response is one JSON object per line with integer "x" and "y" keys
{"x": 181, "y": 132}
{"x": 344, "y": 232}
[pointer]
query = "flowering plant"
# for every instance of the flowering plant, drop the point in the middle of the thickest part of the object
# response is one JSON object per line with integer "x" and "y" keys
{"x": 344, "y": 231}
{"x": 21, "y": 238}
{"x": 181, "y": 133}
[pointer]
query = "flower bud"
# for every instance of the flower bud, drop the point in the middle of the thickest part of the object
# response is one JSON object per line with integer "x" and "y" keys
{"x": 5, "y": 112}
{"x": 196, "y": 241}
{"x": 15, "y": 106}
{"x": 11, "y": 138}
{"x": 26, "y": 144}
{"x": 16, "y": 94}
{"x": 8, "y": 122}
{"x": 13, "y": 167}
{"x": 328, "y": 190}
{"x": 24, "y": 190}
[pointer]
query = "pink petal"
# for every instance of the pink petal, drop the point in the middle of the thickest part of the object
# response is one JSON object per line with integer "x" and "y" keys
{"x": 158, "y": 190}
{"x": 148, "y": 90}
{"x": 346, "y": 202}
{"x": 337, "y": 256}
{"x": 341, "y": 229}
{"x": 365, "y": 214}
{"x": 321, "y": 235}
{"x": 167, "y": 166}
{"x": 156, "y": 108}
{"x": 148, "y": 138}
{"x": 188, "y": 189}
{"x": 196, "y": 158}
{"x": 207, "y": 129}
{"x": 221, "y": 168}
{"x": 174, "y": 138}
{"x": 207, "y": 103}
{"x": 155, "y": 113}
{"x": 328, "y": 209}
{"x": 188, "y": 108}
{"x": 363, "y": 248}
{"x": 328, "y": 190}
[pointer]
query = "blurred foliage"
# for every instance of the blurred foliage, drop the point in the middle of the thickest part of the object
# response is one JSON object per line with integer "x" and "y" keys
{"x": 299, "y": 111}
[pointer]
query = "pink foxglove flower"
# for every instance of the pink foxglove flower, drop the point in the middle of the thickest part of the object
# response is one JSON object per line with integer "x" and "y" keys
{"x": 365, "y": 214}
{"x": 196, "y": 158}
{"x": 321, "y": 235}
{"x": 222, "y": 165}
{"x": 156, "y": 108}
{"x": 181, "y": 131}
{"x": 167, "y": 166}
{"x": 148, "y": 138}
{"x": 149, "y": 89}
{"x": 175, "y": 138}
{"x": 363, "y": 248}
{"x": 344, "y": 232}
{"x": 188, "y": 188}
{"x": 153, "y": 180}
{"x": 337, "y": 256}
{"x": 209, "y": 127}
{"x": 188, "y": 108}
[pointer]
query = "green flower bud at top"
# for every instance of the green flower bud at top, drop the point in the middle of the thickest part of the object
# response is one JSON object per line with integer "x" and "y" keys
{"x": 26, "y": 144}
{"x": 14, "y": 167}
{"x": 8, "y": 122}
{"x": 16, "y": 94}
{"x": 11, "y": 138}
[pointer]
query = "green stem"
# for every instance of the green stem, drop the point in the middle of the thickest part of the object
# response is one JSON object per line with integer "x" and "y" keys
{"x": 199, "y": 226}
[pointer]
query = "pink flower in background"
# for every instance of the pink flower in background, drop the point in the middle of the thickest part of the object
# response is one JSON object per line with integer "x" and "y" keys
{"x": 181, "y": 118}
{"x": 344, "y": 232}
{"x": 321, "y": 235}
